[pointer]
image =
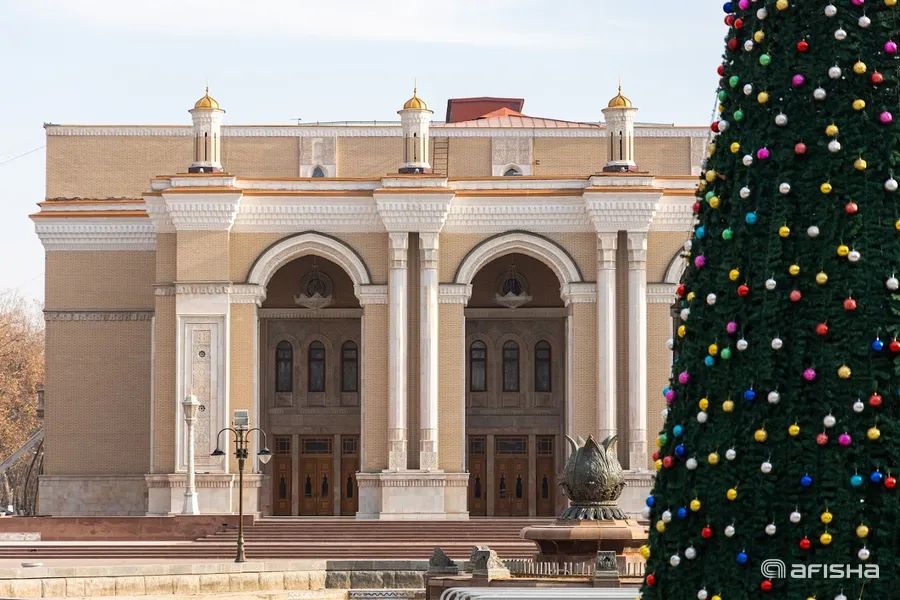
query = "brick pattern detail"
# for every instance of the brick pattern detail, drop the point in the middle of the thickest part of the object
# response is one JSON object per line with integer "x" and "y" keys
{"x": 375, "y": 387}
{"x": 166, "y": 256}
{"x": 202, "y": 255}
{"x": 584, "y": 385}
{"x": 663, "y": 156}
{"x": 368, "y": 156}
{"x": 261, "y": 156}
{"x": 659, "y": 365}
{"x": 469, "y": 157}
{"x": 661, "y": 247}
{"x": 451, "y": 379}
{"x": 97, "y": 391}
{"x": 164, "y": 388}
{"x": 99, "y": 280}
{"x": 568, "y": 156}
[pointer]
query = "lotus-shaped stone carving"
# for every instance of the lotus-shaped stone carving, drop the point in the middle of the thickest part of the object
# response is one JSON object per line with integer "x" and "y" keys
{"x": 593, "y": 480}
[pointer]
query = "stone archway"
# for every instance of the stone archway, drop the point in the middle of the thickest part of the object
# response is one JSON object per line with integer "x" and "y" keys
{"x": 283, "y": 251}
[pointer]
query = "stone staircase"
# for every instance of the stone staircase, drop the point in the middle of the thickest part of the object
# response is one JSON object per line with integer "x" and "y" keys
{"x": 313, "y": 538}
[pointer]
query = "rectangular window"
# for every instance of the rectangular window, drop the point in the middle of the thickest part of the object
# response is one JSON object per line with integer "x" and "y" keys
{"x": 478, "y": 367}
{"x": 283, "y": 444}
{"x": 545, "y": 445}
{"x": 476, "y": 446}
{"x": 349, "y": 446}
{"x": 316, "y": 445}
{"x": 510, "y": 445}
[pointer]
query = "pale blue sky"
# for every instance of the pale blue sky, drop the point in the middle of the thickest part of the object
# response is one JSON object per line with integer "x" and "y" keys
{"x": 270, "y": 61}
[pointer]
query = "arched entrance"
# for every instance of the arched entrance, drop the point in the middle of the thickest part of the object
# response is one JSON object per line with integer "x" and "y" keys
{"x": 310, "y": 358}
{"x": 516, "y": 376}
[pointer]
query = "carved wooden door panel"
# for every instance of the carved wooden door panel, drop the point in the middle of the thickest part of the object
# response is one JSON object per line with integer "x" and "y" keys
{"x": 316, "y": 478}
{"x": 349, "y": 468}
{"x": 282, "y": 470}
{"x": 477, "y": 476}
{"x": 545, "y": 477}
{"x": 511, "y": 476}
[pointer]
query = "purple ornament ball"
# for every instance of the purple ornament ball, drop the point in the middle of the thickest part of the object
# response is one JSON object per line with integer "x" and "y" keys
{"x": 809, "y": 374}
{"x": 745, "y": 4}
{"x": 684, "y": 377}
{"x": 732, "y": 327}
{"x": 798, "y": 80}
{"x": 700, "y": 261}
{"x": 886, "y": 117}
{"x": 844, "y": 440}
{"x": 670, "y": 396}
{"x": 890, "y": 47}
{"x": 762, "y": 153}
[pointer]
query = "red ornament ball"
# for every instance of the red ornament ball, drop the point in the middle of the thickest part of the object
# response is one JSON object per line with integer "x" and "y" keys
{"x": 802, "y": 45}
{"x": 668, "y": 462}
{"x": 877, "y": 78}
{"x": 795, "y": 296}
{"x": 733, "y": 44}
{"x": 743, "y": 290}
{"x": 805, "y": 544}
{"x": 706, "y": 532}
{"x": 849, "y": 304}
{"x": 875, "y": 400}
{"x": 738, "y": 23}
{"x": 800, "y": 148}
{"x": 822, "y": 329}
{"x": 696, "y": 208}
{"x": 822, "y": 439}
{"x": 894, "y": 346}
{"x": 890, "y": 483}
{"x": 715, "y": 127}
{"x": 721, "y": 70}
{"x": 680, "y": 291}
{"x": 766, "y": 585}
{"x": 729, "y": 20}
{"x": 851, "y": 208}
{"x": 655, "y": 456}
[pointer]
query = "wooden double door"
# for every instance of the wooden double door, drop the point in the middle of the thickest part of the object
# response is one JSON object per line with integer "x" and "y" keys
{"x": 507, "y": 485}
{"x": 323, "y": 474}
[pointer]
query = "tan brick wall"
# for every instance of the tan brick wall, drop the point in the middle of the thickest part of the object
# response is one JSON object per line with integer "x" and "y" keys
{"x": 659, "y": 362}
{"x": 97, "y": 397}
{"x": 261, "y": 156}
{"x": 164, "y": 388}
{"x": 470, "y": 157}
{"x": 241, "y": 360}
{"x": 111, "y": 166}
{"x": 202, "y": 256}
{"x": 663, "y": 156}
{"x": 375, "y": 388}
{"x": 247, "y": 247}
{"x": 661, "y": 247}
{"x": 368, "y": 156}
{"x": 584, "y": 387}
{"x": 569, "y": 156}
{"x": 413, "y": 393}
{"x": 98, "y": 280}
{"x": 166, "y": 257}
{"x": 451, "y": 379}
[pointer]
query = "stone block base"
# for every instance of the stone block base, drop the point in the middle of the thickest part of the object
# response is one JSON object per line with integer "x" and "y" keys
{"x": 413, "y": 495}
{"x": 637, "y": 488}
{"x": 217, "y": 493}
{"x": 92, "y": 495}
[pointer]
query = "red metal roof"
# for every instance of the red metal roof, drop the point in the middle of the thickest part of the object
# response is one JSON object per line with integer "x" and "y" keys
{"x": 520, "y": 121}
{"x": 466, "y": 109}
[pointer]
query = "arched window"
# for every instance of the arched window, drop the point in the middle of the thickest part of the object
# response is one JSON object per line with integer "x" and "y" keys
{"x": 316, "y": 367}
{"x": 510, "y": 367}
{"x": 542, "y": 373}
{"x": 284, "y": 367}
{"x": 477, "y": 367}
{"x": 349, "y": 367}
{"x": 318, "y": 172}
{"x": 512, "y": 172}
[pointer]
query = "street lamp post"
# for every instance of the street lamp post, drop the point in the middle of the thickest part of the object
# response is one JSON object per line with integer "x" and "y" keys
{"x": 242, "y": 431}
{"x": 190, "y": 405}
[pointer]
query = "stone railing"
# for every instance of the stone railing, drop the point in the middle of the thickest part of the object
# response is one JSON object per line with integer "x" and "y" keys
{"x": 528, "y": 567}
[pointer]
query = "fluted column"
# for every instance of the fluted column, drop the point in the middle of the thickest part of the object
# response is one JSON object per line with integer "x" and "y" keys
{"x": 428, "y": 351}
{"x": 637, "y": 350}
{"x": 397, "y": 380}
{"x": 606, "y": 332}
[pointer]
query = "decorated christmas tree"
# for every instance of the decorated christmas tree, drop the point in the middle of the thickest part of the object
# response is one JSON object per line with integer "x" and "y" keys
{"x": 782, "y": 434}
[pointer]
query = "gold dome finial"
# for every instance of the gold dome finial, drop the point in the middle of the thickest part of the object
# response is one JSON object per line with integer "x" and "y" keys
{"x": 207, "y": 101}
{"x": 415, "y": 103}
{"x": 620, "y": 101}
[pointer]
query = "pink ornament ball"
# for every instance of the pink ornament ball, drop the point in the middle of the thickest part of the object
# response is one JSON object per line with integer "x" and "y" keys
{"x": 732, "y": 327}
{"x": 857, "y": 2}
{"x": 890, "y": 47}
{"x": 700, "y": 261}
{"x": 762, "y": 153}
{"x": 684, "y": 378}
{"x": 745, "y": 4}
{"x": 798, "y": 80}
{"x": 670, "y": 396}
{"x": 809, "y": 374}
{"x": 886, "y": 117}
{"x": 844, "y": 440}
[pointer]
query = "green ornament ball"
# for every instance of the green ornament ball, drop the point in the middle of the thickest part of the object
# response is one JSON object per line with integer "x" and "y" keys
{"x": 727, "y": 234}
{"x": 765, "y": 60}
{"x": 734, "y": 81}
{"x": 709, "y": 195}
{"x": 723, "y": 96}
{"x": 725, "y": 354}
{"x": 738, "y": 115}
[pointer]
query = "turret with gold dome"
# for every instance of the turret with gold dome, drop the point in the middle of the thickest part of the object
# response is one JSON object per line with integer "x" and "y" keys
{"x": 207, "y": 116}
{"x": 415, "y": 119}
{"x": 620, "y": 115}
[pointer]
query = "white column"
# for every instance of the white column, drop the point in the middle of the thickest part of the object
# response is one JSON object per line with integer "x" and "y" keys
{"x": 397, "y": 380}
{"x": 637, "y": 350}
{"x": 606, "y": 332}
{"x": 428, "y": 352}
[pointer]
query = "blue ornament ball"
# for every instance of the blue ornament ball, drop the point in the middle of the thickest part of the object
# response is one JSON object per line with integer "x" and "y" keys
{"x": 742, "y": 558}
{"x": 805, "y": 481}
{"x": 682, "y": 513}
{"x": 651, "y": 501}
{"x": 750, "y": 218}
{"x": 877, "y": 345}
{"x": 666, "y": 390}
{"x": 876, "y": 477}
{"x": 709, "y": 361}
{"x": 678, "y": 430}
{"x": 749, "y": 395}
{"x": 856, "y": 481}
{"x": 679, "y": 450}
{"x": 727, "y": 7}
{"x": 701, "y": 232}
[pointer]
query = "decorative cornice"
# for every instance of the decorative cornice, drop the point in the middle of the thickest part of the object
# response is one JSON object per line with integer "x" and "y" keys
{"x": 347, "y": 214}
{"x": 305, "y": 313}
{"x": 578, "y": 293}
{"x": 661, "y": 293}
{"x": 371, "y": 294}
{"x": 203, "y": 212}
{"x": 163, "y": 289}
{"x": 674, "y": 214}
{"x": 242, "y": 293}
{"x": 205, "y": 480}
{"x": 95, "y": 234}
{"x": 412, "y": 479}
{"x": 637, "y": 250}
{"x": 202, "y": 288}
{"x": 564, "y": 214}
{"x": 627, "y": 212}
{"x": 454, "y": 293}
{"x": 409, "y": 211}
{"x": 98, "y": 315}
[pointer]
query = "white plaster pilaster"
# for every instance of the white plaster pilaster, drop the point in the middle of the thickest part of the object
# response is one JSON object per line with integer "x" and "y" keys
{"x": 607, "y": 244}
{"x": 397, "y": 357}
{"x": 637, "y": 350}
{"x": 428, "y": 351}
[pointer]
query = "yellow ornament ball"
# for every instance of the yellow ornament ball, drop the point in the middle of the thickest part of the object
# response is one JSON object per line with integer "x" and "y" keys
{"x": 844, "y": 372}
{"x": 735, "y": 147}
{"x": 714, "y": 202}
{"x": 713, "y": 458}
{"x": 712, "y": 149}
{"x": 658, "y": 464}
{"x": 873, "y": 433}
{"x": 794, "y": 270}
{"x": 826, "y": 517}
{"x": 710, "y": 176}
{"x": 734, "y": 274}
{"x": 660, "y": 526}
{"x": 821, "y": 278}
{"x": 702, "y": 184}
{"x": 890, "y": 2}
{"x": 843, "y": 250}
{"x": 721, "y": 108}
{"x": 659, "y": 442}
{"x": 859, "y": 104}
{"x": 713, "y": 349}
{"x": 645, "y": 552}
{"x": 826, "y": 188}
{"x": 716, "y": 597}
{"x": 695, "y": 505}
{"x": 860, "y": 164}
{"x": 682, "y": 331}
{"x": 728, "y": 406}
{"x": 794, "y": 430}
{"x": 703, "y": 404}
{"x": 760, "y": 435}
{"x": 731, "y": 494}
{"x": 691, "y": 296}
{"x": 759, "y": 36}
{"x": 825, "y": 538}
{"x": 763, "y": 97}
{"x": 784, "y": 231}
{"x": 782, "y": 5}
{"x": 862, "y": 531}
{"x": 859, "y": 68}
{"x": 832, "y": 130}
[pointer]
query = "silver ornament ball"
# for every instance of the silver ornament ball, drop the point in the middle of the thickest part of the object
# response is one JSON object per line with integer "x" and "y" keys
{"x": 702, "y": 417}
{"x": 742, "y": 344}
{"x": 748, "y": 46}
{"x": 731, "y": 454}
{"x": 813, "y": 231}
{"x": 711, "y": 299}
{"x": 771, "y": 529}
{"x": 829, "y": 421}
{"x": 819, "y": 93}
{"x": 781, "y": 120}
{"x": 690, "y": 553}
{"x": 891, "y": 185}
{"x": 863, "y": 553}
{"x": 835, "y": 72}
{"x": 795, "y": 517}
{"x": 670, "y": 343}
{"x": 777, "y": 343}
{"x": 774, "y": 397}
{"x": 771, "y": 284}
{"x": 747, "y": 160}
{"x": 830, "y": 10}
{"x": 667, "y": 516}
{"x": 864, "y": 21}
{"x": 854, "y": 256}
{"x": 766, "y": 467}
{"x": 729, "y": 531}
{"x": 858, "y": 406}
{"x": 691, "y": 464}
{"x": 892, "y": 283}
{"x": 675, "y": 560}
{"x": 702, "y": 595}
{"x": 761, "y": 14}
{"x": 834, "y": 146}
{"x": 840, "y": 35}
{"x": 784, "y": 188}
{"x": 748, "y": 89}
{"x": 745, "y": 192}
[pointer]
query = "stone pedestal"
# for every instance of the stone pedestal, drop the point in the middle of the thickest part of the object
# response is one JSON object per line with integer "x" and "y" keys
{"x": 217, "y": 493}
{"x": 413, "y": 495}
{"x": 575, "y": 541}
